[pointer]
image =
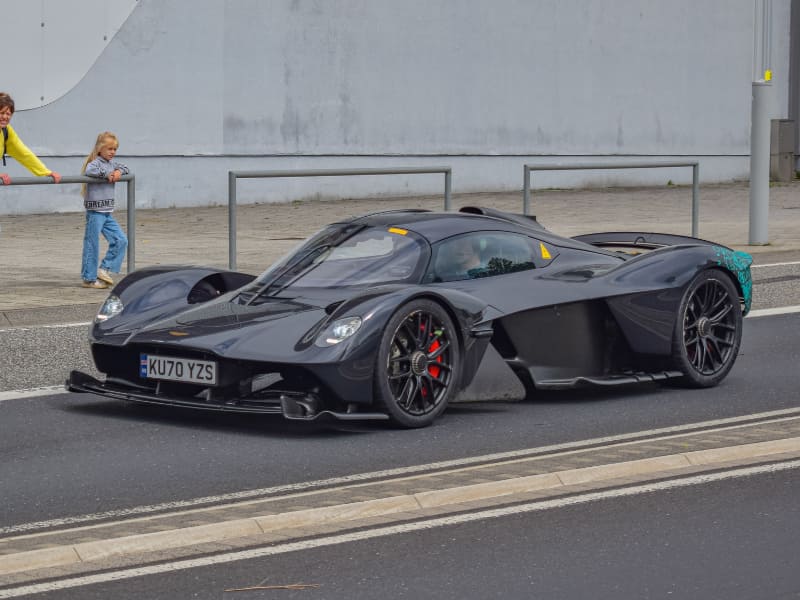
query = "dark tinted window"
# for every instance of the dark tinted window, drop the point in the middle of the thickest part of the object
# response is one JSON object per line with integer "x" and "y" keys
{"x": 482, "y": 254}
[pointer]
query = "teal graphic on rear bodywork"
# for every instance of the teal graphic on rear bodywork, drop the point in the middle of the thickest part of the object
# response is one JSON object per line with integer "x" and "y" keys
{"x": 738, "y": 263}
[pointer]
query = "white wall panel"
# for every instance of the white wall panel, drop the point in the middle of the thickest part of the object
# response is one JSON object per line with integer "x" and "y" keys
{"x": 22, "y": 42}
{"x": 53, "y": 43}
{"x": 483, "y": 85}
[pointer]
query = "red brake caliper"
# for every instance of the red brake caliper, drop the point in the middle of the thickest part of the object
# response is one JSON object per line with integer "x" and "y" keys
{"x": 433, "y": 369}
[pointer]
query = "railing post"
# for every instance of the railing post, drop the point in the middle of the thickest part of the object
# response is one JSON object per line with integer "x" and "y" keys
{"x": 232, "y": 220}
{"x": 447, "y": 185}
{"x": 695, "y": 199}
{"x": 131, "y": 192}
{"x": 526, "y": 190}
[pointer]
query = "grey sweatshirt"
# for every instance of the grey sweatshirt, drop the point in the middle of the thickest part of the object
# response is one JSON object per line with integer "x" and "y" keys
{"x": 100, "y": 196}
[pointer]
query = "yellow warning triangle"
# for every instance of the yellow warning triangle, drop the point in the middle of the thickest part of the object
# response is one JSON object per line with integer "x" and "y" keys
{"x": 545, "y": 251}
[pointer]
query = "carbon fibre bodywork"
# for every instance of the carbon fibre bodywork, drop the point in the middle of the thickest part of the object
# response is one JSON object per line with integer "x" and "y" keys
{"x": 577, "y": 312}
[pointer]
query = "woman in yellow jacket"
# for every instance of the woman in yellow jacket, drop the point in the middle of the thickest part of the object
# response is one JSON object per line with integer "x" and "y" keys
{"x": 13, "y": 146}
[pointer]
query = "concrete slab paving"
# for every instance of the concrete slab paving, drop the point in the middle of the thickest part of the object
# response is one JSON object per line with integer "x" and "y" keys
{"x": 40, "y": 254}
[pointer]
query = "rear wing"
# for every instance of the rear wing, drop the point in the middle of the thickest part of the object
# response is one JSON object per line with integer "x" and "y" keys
{"x": 640, "y": 240}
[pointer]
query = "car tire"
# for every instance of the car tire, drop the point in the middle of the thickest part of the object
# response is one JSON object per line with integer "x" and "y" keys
{"x": 708, "y": 330}
{"x": 418, "y": 362}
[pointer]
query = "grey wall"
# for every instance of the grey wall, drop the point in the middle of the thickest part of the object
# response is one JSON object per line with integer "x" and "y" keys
{"x": 194, "y": 89}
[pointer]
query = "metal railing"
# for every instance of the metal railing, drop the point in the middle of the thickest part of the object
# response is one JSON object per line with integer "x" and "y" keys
{"x": 526, "y": 186}
{"x": 234, "y": 175}
{"x": 131, "y": 197}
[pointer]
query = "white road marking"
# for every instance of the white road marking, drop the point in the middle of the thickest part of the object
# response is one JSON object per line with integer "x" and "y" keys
{"x": 53, "y": 326}
{"x": 769, "y": 312}
{"x": 783, "y": 264}
{"x": 179, "y": 506}
{"x": 357, "y": 536}
{"x": 32, "y": 392}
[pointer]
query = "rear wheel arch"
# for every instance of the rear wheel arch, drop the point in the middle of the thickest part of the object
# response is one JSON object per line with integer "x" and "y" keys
{"x": 735, "y": 280}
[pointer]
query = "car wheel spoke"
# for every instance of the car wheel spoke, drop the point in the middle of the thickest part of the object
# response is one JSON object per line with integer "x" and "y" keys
{"x": 708, "y": 294}
{"x": 703, "y": 358}
{"x": 438, "y": 380}
{"x": 406, "y": 397}
{"x": 715, "y": 353}
{"x": 411, "y": 336}
{"x": 439, "y": 351}
{"x": 423, "y": 330}
{"x": 721, "y": 314}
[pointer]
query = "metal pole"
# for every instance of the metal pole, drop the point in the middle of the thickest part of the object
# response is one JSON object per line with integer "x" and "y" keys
{"x": 695, "y": 199}
{"x": 231, "y": 220}
{"x": 526, "y": 190}
{"x": 447, "y": 186}
{"x": 759, "y": 164}
{"x": 131, "y": 191}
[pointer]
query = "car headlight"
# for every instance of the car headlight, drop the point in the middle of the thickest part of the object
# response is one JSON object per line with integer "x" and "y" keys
{"x": 338, "y": 331}
{"x": 111, "y": 308}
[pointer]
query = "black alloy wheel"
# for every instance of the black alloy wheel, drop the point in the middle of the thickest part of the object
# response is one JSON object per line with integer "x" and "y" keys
{"x": 418, "y": 364}
{"x": 708, "y": 331}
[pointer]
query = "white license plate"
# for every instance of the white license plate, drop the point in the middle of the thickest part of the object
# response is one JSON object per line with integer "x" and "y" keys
{"x": 169, "y": 368}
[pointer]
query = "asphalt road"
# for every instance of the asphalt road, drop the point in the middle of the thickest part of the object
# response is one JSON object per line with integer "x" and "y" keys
{"x": 730, "y": 540}
{"x": 71, "y": 454}
{"x": 68, "y": 455}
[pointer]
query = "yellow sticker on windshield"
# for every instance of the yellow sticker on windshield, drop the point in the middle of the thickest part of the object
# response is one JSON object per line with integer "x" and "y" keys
{"x": 545, "y": 252}
{"x": 398, "y": 230}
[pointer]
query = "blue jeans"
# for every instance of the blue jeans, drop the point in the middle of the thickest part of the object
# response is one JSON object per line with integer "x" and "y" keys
{"x": 97, "y": 223}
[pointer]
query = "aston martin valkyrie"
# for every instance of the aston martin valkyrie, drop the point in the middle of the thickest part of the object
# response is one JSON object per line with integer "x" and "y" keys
{"x": 390, "y": 315}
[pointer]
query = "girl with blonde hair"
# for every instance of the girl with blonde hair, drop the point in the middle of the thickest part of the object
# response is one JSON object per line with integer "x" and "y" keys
{"x": 98, "y": 200}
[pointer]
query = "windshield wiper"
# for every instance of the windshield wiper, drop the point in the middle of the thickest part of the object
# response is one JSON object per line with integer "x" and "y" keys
{"x": 272, "y": 284}
{"x": 291, "y": 272}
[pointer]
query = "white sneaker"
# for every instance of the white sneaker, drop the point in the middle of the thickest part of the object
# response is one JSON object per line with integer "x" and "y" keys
{"x": 104, "y": 275}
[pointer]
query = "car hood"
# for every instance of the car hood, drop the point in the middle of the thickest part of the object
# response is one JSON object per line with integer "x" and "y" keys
{"x": 229, "y": 329}
{"x": 229, "y": 313}
{"x": 226, "y": 314}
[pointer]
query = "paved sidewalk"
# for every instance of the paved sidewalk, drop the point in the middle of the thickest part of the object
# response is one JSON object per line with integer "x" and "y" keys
{"x": 270, "y": 518}
{"x": 40, "y": 254}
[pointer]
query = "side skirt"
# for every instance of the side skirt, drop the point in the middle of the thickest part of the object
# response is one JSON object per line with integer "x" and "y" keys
{"x": 607, "y": 380}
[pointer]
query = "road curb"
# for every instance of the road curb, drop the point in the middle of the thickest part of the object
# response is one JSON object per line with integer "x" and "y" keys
{"x": 86, "y": 552}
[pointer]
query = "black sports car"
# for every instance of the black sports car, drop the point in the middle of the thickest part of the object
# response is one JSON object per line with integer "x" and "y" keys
{"x": 389, "y": 315}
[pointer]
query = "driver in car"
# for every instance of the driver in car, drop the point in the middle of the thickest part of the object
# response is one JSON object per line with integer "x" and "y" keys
{"x": 461, "y": 259}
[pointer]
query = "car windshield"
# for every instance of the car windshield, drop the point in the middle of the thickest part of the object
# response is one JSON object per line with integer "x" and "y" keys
{"x": 349, "y": 255}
